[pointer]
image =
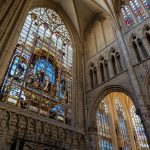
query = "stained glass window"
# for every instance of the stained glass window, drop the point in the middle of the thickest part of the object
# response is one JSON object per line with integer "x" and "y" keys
{"x": 39, "y": 76}
{"x": 138, "y": 11}
{"x": 127, "y": 17}
{"x": 140, "y": 138}
{"x": 147, "y": 4}
{"x": 104, "y": 139}
{"x": 123, "y": 130}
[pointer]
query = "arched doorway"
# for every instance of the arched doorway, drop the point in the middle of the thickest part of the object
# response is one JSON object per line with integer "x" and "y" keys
{"x": 118, "y": 124}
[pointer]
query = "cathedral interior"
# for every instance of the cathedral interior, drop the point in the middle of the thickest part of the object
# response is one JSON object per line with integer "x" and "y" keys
{"x": 74, "y": 74}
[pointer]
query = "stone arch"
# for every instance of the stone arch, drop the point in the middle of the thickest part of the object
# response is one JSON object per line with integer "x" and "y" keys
{"x": 112, "y": 50}
{"x": 116, "y": 60}
{"x": 100, "y": 96}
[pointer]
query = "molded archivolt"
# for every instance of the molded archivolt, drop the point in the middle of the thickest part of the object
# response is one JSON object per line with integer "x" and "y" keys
{"x": 100, "y": 96}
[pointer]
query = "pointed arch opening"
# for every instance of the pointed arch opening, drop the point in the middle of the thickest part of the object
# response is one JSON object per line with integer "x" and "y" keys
{"x": 148, "y": 38}
{"x": 118, "y": 124}
{"x": 136, "y": 51}
{"x": 106, "y": 69}
{"x": 119, "y": 63}
{"x": 113, "y": 60}
{"x": 102, "y": 72}
{"x": 91, "y": 78}
{"x": 142, "y": 48}
{"x": 39, "y": 77}
{"x": 95, "y": 76}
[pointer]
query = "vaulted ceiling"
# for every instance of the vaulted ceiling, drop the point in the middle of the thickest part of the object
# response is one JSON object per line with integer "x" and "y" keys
{"x": 81, "y": 11}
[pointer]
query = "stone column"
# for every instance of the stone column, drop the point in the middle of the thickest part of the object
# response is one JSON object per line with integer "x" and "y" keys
{"x": 99, "y": 78}
{"x": 112, "y": 118}
{"x": 139, "y": 101}
{"x": 91, "y": 136}
{"x": 91, "y": 140}
{"x": 129, "y": 123}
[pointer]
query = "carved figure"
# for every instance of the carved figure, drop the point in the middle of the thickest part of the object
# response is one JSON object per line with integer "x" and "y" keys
{"x": 47, "y": 86}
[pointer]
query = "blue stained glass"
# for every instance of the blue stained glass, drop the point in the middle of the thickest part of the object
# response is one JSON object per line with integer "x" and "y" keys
{"x": 40, "y": 64}
{"x": 17, "y": 68}
{"x": 107, "y": 120}
{"x": 147, "y": 4}
{"x": 58, "y": 108}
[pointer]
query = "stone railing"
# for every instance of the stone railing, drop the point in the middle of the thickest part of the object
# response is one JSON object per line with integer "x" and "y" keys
{"x": 23, "y": 130}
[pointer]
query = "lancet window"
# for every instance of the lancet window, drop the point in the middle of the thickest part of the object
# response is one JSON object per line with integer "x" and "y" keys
{"x": 121, "y": 127}
{"x": 127, "y": 17}
{"x": 133, "y": 12}
{"x": 140, "y": 137}
{"x": 147, "y": 4}
{"x": 39, "y": 76}
{"x": 104, "y": 138}
{"x": 138, "y": 11}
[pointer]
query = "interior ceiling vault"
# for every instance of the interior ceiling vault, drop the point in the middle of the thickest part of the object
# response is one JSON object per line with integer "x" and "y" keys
{"x": 81, "y": 11}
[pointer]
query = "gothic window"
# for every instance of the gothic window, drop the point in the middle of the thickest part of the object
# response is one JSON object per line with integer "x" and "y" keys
{"x": 127, "y": 16}
{"x": 106, "y": 69}
{"x": 147, "y": 4}
{"x": 138, "y": 11}
{"x": 102, "y": 72}
{"x": 136, "y": 50}
{"x": 118, "y": 61}
{"x": 148, "y": 37}
{"x": 113, "y": 60}
{"x": 147, "y": 34}
{"x": 95, "y": 76}
{"x": 104, "y": 139}
{"x": 91, "y": 78}
{"x": 142, "y": 48}
{"x": 122, "y": 130}
{"x": 39, "y": 76}
{"x": 140, "y": 137}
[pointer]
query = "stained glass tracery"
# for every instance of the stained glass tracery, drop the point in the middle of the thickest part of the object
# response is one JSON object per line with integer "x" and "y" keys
{"x": 138, "y": 11}
{"x": 122, "y": 130}
{"x": 140, "y": 139}
{"x": 133, "y": 12}
{"x": 104, "y": 139}
{"x": 127, "y": 16}
{"x": 39, "y": 76}
{"x": 147, "y": 4}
